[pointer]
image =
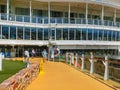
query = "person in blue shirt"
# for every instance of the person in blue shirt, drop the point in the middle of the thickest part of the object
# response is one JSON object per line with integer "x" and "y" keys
{"x": 44, "y": 54}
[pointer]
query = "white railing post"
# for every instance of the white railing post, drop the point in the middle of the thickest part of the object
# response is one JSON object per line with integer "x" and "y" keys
{"x": 92, "y": 64}
{"x": 83, "y": 62}
{"x": 106, "y": 73}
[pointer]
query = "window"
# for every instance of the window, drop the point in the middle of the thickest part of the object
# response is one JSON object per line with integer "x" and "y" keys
{"x": 45, "y": 33}
{"x": 78, "y": 34}
{"x": 58, "y": 33}
{"x": 22, "y": 11}
{"x": 5, "y": 32}
{"x": 95, "y": 34}
{"x": 33, "y": 33}
{"x": 65, "y": 33}
{"x": 90, "y": 34}
{"x": 71, "y": 33}
{"x": 100, "y": 36}
{"x": 27, "y": 33}
{"x": 84, "y": 33}
{"x": 40, "y": 34}
{"x": 20, "y": 33}
{"x": 12, "y": 32}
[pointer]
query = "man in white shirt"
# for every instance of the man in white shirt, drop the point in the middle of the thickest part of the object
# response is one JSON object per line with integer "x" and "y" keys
{"x": 1, "y": 57}
{"x": 27, "y": 57}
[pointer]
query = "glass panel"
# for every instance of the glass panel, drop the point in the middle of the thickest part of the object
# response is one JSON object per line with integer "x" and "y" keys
{"x": 34, "y": 20}
{"x": 27, "y": 33}
{"x": 95, "y": 34}
{"x": 40, "y": 34}
{"x": 45, "y": 33}
{"x": 53, "y": 34}
{"x": 33, "y": 33}
{"x": 84, "y": 33}
{"x": 100, "y": 37}
{"x": 90, "y": 34}
{"x": 39, "y": 20}
{"x": 71, "y": 34}
{"x": 26, "y": 19}
{"x": 12, "y": 32}
{"x": 58, "y": 33}
{"x": 105, "y": 35}
{"x": 3, "y": 16}
{"x": 114, "y": 36}
{"x": 20, "y": 33}
{"x": 72, "y": 20}
{"x": 118, "y": 36}
{"x": 109, "y": 35}
{"x": 52, "y": 20}
{"x": 78, "y": 34}
{"x": 5, "y": 32}
{"x": 19, "y": 18}
{"x": 65, "y": 33}
{"x": 59, "y": 20}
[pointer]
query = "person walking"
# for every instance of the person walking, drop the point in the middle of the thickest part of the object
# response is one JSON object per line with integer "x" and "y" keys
{"x": 44, "y": 54}
{"x": 27, "y": 58}
{"x": 33, "y": 53}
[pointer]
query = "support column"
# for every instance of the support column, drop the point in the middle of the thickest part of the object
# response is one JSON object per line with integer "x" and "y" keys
{"x": 30, "y": 11}
{"x": 92, "y": 64}
{"x": 49, "y": 12}
{"x": 86, "y": 14}
{"x": 8, "y": 3}
{"x": 115, "y": 17}
{"x": 83, "y": 62}
{"x": 49, "y": 46}
{"x": 102, "y": 15}
{"x": 69, "y": 14}
{"x": 106, "y": 73}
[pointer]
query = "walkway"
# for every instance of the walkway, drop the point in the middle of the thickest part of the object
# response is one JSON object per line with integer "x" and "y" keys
{"x": 59, "y": 76}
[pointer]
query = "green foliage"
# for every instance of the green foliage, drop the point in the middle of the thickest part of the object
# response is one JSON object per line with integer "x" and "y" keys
{"x": 10, "y": 68}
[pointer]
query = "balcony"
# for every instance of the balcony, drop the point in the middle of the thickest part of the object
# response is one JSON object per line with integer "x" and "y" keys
{"x": 60, "y": 20}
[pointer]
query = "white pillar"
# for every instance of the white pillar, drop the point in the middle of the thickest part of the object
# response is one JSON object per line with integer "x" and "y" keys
{"x": 115, "y": 17}
{"x": 102, "y": 15}
{"x": 106, "y": 73}
{"x": 0, "y": 61}
{"x": 83, "y": 62}
{"x": 49, "y": 12}
{"x": 30, "y": 10}
{"x": 92, "y": 64}
{"x": 69, "y": 13}
{"x": 8, "y": 2}
{"x": 86, "y": 14}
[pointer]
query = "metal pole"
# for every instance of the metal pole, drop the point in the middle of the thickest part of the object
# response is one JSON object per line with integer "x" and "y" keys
{"x": 83, "y": 62}
{"x": 106, "y": 73}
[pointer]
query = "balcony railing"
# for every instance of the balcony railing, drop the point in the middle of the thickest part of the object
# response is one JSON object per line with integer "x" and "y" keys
{"x": 60, "y": 20}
